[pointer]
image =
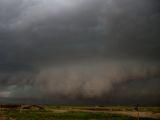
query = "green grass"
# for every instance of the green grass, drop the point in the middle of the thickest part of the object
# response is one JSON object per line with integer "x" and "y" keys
{"x": 46, "y": 115}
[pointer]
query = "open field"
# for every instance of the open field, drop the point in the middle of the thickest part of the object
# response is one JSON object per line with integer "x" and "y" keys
{"x": 79, "y": 113}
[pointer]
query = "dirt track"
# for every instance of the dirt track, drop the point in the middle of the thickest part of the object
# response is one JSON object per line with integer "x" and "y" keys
{"x": 128, "y": 113}
{"x": 141, "y": 114}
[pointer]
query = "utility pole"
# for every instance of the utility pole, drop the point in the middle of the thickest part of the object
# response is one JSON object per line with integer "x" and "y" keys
{"x": 137, "y": 109}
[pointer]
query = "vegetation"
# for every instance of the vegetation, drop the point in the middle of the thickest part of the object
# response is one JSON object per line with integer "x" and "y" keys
{"x": 69, "y": 115}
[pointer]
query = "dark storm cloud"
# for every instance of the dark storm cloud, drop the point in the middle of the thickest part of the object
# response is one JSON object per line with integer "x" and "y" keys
{"x": 90, "y": 42}
{"x": 104, "y": 28}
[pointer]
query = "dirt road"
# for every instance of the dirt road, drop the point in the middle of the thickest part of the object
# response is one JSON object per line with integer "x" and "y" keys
{"x": 141, "y": 114}
{"x": 128, "y": 113}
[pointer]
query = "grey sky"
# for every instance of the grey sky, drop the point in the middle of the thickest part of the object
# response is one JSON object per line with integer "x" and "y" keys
{"x": 79, "y": 48}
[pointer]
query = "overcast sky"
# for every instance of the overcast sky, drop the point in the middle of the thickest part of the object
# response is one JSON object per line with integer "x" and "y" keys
{"x": 89, "y": 51}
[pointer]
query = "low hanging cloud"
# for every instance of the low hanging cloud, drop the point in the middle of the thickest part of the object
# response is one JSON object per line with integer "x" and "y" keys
{"x": 91, "y": 80}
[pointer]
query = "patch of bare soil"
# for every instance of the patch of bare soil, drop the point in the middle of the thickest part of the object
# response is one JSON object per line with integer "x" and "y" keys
{"x": 2, "y": 117}
{"x": 128, "y": 113}
{"x": 135, "y": 114}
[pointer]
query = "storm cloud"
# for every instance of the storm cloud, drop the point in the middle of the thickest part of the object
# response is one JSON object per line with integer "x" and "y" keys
{"x": 79, "y": 49}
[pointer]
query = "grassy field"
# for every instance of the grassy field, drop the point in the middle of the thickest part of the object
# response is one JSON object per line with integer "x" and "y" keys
{"x": 76, "y": 113}
{"x": 105, "y": 108}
